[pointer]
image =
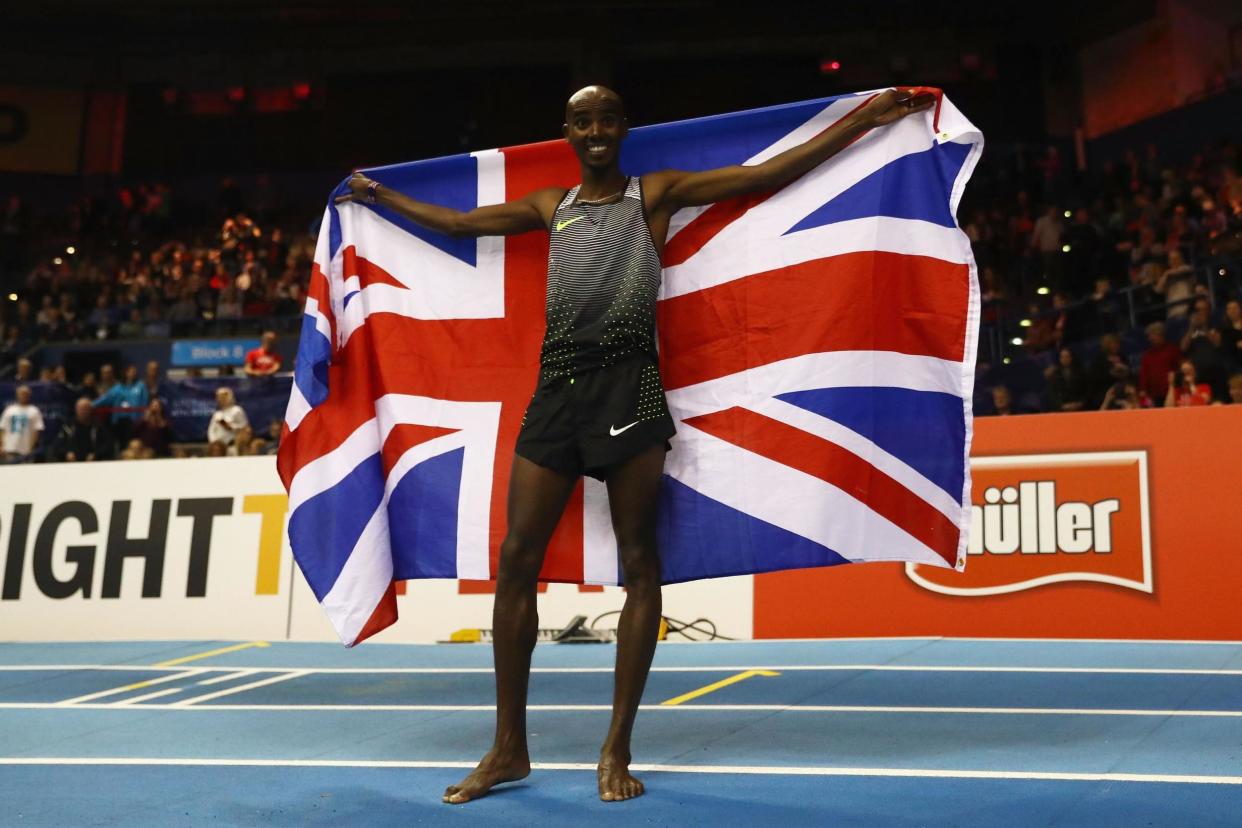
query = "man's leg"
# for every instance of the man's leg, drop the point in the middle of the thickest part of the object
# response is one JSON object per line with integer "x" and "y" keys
{"x": 633, "y": 492}
{"x": 537, "y": 496}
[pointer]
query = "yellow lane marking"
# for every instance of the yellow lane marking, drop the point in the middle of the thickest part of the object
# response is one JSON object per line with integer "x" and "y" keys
{"x": 714, "y": 686}
{"x": 209, "y": 653}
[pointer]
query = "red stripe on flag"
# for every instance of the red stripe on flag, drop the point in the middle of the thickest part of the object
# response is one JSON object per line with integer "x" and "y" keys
{"x": 368, "y": 272}
{"x": 384, "y": 615}
{"x": 404, "y": 437}
{"x": 867, "y": 301}
{"x": 691, "y": 238}
{"x": 838, "y": 466}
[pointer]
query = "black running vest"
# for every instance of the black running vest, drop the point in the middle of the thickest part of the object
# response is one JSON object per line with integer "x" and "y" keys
{"x": 603, "y": 277}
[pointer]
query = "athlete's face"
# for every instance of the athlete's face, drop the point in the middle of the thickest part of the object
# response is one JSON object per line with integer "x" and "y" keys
{"x": 595, "y": 126}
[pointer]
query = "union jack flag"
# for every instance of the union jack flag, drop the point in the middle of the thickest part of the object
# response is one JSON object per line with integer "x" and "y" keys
{"x": 817, "y": 345}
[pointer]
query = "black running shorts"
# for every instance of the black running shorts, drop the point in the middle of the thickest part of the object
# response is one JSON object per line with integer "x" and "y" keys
{"x": 587, "y": 423}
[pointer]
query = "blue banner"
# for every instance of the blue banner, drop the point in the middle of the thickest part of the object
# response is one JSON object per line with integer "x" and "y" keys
{"x": 211, "y": 351}
{"x": 190, "y": 402}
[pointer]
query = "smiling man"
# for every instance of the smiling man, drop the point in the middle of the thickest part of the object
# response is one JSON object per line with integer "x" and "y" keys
{"x": 599, "y": 406}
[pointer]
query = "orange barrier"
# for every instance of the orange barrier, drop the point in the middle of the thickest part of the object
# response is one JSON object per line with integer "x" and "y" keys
{"x": 1124, "y": 524}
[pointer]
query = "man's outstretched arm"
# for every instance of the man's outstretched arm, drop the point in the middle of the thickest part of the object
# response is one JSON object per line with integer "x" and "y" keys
{"x": 673, "y": 189}
{"x": 531, "y": 212}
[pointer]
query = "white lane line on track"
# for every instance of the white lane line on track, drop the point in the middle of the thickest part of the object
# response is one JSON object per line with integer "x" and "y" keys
{"x": 241, "y": 688}
{"x": 227, "y": 677}
{"x": 157, "y": 694}
{"x": 179, "y": 673}
{"x": 191, "y": 704}
{"x": 891, "y": 668}
{"x": 763, "y": 770}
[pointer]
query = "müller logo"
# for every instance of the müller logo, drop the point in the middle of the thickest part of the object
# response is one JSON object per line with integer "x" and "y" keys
{"x": 1050, "y": 518}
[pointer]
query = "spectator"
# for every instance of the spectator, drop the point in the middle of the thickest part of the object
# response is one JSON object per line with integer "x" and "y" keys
{"x": 1121, "y": 396}
{"x": 10, "y": 347}
{"x": 21, "y": 425}
{"x": 152, "y": 379}
{"x": 1231, "y": 335}
{"x": 1158, "y": 363}
{"x": 126, "y": 401}
{"x": 102, "y": 318}
{"x": 1176, "y": 284}
{"x": 1067, "y": 387}
{"x": 227, "y": 420}
{"x": 154, "y": 430}
{"x": 1186, "y": 390}
{"x": 1235, "y": 389}
{"x": 88, "y": 387}
{"x": 1202, "y": 346}
{"x": 1046, "y": 240}
{"x": 243, "y": 443}
{"x": 1002, "y": 402}
{"x": 1107, "y": 368}
{"x": 264, "y": 360}
{"x": 107, "y": 377}
{"x": 25, "y": 371}
{"x": 229, "y": 306}
{"x": 135, "y": 450}
{"x": 83, "y": 439}
{"x": 274, "y": 430}
{"x": 132, "y": 327}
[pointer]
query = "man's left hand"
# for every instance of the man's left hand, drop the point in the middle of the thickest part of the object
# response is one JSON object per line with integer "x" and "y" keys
{"x": 895, "y": 104}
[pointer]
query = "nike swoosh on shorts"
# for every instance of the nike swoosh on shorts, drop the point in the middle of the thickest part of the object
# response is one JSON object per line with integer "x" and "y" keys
{"x": 613, "y": 431}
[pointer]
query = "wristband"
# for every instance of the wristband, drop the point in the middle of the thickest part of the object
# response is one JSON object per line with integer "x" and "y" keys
{"x": 371, "y": 188}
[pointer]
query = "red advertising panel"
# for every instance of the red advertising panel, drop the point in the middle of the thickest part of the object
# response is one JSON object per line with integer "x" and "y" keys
{"x": 1123, "y": 524}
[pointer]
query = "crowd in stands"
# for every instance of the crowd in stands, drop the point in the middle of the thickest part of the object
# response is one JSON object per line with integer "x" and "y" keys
{"x": 130, "y": 266}
{"x": 1120, "y": 283}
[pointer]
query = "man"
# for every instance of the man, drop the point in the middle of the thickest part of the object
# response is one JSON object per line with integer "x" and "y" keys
{"x": 1046, "y": 240}
{"x": 264, "y": 360}
{"x": 107, "y": 377}
{"x": 227, "y": 420}
{"x": 83, "y": 440}
{"x": 21, "y": 425}
{"x": 25, "y": 370}
{"x": 1158, "y": 361}
{"x": 125, "y": 402}
{"x": 152, "y": 379}
{"x": 599, "y": 406}
{"x": 1106, "y": 369}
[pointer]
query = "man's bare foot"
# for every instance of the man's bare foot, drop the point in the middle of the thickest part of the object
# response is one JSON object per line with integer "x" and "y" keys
{"x": 615, "y": 781}
{"x": 492, "y": 770}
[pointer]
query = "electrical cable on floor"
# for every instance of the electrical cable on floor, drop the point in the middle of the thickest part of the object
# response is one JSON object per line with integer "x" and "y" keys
{"x": 677, "y": 627}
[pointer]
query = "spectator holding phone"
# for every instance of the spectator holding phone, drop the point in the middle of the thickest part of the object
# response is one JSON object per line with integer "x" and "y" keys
{"x": 1186, "y": 390}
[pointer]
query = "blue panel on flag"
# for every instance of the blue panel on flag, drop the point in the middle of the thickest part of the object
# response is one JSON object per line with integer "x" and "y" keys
{"x": 911, "y": 187}
{"x": 332, "y": 521}
{"x": 709, "y": 536}
{"x": 926, "y": 430}
{"x": 423, "y": 518}
{"x": 452, "y": 181}
{"x": 310, "y": 370}
{"x": 719, "y": 141}
{"x": 211, "y": 351}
